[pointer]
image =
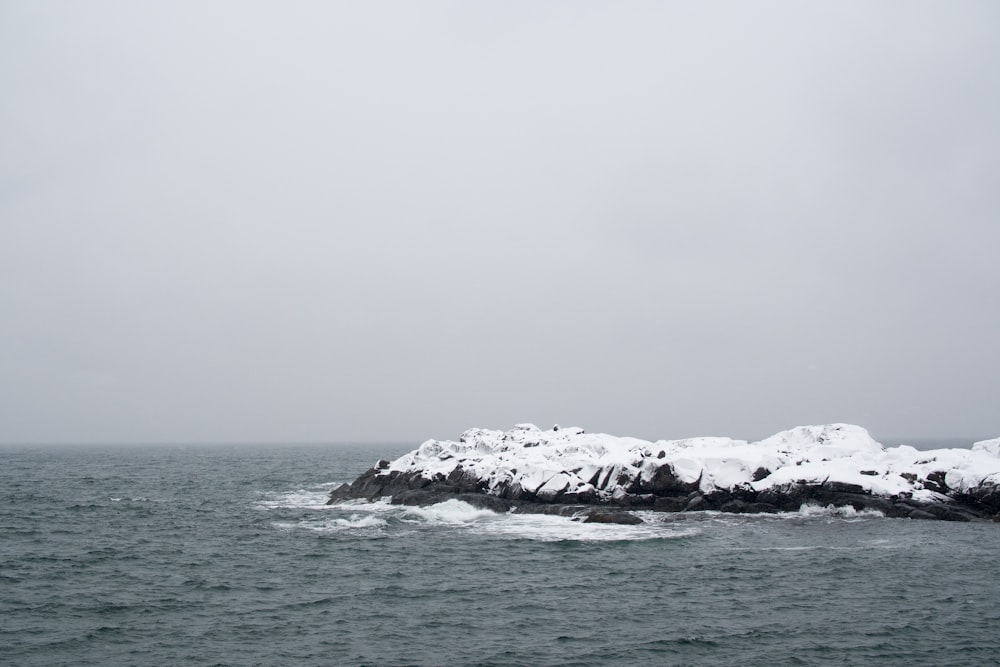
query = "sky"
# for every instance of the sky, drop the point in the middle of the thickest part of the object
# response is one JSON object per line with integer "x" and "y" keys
{"x": 391, "y": 221}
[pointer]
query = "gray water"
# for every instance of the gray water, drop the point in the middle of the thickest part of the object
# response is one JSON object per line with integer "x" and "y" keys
{"x": 226, "y": 556}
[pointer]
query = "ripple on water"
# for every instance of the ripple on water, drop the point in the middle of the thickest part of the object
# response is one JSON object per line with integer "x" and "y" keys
{"x": 232, "y": 557}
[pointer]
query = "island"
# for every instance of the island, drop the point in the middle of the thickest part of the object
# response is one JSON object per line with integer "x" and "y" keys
{"x": 596, "y": 477}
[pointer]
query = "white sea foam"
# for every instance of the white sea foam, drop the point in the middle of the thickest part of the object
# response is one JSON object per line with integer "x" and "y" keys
{"x": 549, "y": 528}
{"x": 335, "y": 525}
{"x": 459, "y": 515}
{"x": 314, "y": 498}
{"x": 845, "y": 512}
{"x": 806, "y": 511}
{"x": 449, "y": 512}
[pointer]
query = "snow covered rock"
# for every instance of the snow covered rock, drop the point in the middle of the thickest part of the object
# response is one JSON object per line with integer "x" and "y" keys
{"x": 837, "y": 464}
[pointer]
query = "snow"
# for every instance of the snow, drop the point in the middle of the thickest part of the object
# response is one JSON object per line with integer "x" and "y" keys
{"x": 570, "y": 460}
{"x": 989, "y": 446}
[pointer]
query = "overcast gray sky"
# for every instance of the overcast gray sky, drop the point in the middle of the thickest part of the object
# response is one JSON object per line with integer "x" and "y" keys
{"x": 322, "y": 221}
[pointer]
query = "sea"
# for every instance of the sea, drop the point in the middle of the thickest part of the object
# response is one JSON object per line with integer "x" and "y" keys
{"x": 227, "y": 555}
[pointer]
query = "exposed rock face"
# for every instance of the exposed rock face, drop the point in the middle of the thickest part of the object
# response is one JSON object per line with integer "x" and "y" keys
{"x": 597, "y": 477}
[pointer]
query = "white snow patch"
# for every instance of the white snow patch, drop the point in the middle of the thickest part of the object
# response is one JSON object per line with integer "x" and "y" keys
{"x": 988, "y": 446}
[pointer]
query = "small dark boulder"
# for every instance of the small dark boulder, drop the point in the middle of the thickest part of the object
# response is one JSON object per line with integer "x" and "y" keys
{"x": 599, "y": 516}
{"x": 696, "y": 504}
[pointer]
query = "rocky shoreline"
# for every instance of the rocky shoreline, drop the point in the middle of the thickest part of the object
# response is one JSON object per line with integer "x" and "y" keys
{"x": 600, "y": 478}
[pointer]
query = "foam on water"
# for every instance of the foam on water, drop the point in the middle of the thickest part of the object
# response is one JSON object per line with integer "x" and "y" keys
{"x": 354, "y": 522}
{"x": 830, "y": 511}
{"x": 314, "y": 498}
{"x": 450, "y": 512}
{"x": 456, "y": 514}
{"x": 549, "y": 528}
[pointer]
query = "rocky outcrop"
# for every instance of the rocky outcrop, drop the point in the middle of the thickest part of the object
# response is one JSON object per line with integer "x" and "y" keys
{"x": 596, "y": 477}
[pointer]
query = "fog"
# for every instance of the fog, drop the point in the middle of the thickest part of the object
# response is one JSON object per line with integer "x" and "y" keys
{"x": 389, "y": 221}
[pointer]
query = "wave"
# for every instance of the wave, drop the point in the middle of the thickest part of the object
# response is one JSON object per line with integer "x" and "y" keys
{"x": 450, "y": 512}
{"x": 844, "y": 512}
{"x": 313, "y": 498}
{"x": 550, "y": 528}
{"x": 458, "y": 515}
{"x": 388, "y": 520}
{"x": 336, "y": 525}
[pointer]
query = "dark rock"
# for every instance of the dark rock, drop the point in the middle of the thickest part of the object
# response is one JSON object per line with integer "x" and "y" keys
{"x": 645, "y": 500}
{"x": 716, "y": 499}
{"x": 370, "y": 485}
{"x": 745, "y": 493}
{"x": 987, "y": 497}
{"x": 760, "y": 473}
{"x": 674, "y": 504}
{"x": 787, "y": 498}
{"x": 464, "y": 481}
{"x": 697, "y": 503}
{"x": 946, "y": 511}
{"x": 584, "y": 497}
{"x": 743, "y": 507}
{"x": 612, "y": 517}
{"x": 666, "y": 483}
{"x": 900, "y": 510}
{"x": 935, "y": 482}
{"x": 843, "y": 487}
{"x": 664, "y": 492}
{"x": 515, "y": 492}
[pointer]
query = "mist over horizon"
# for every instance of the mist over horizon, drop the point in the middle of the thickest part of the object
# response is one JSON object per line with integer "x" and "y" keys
{"x": 388, "y": 222}
{"x": 388, "y": 446}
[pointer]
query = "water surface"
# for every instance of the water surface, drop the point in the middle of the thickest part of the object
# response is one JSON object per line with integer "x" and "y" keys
{"x": 227, "y": 555}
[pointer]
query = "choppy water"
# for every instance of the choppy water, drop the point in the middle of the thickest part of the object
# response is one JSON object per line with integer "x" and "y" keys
{"x": 226, "y": 555}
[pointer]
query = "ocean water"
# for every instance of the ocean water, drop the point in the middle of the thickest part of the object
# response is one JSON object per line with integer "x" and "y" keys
{"x": 227, "y": 556}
